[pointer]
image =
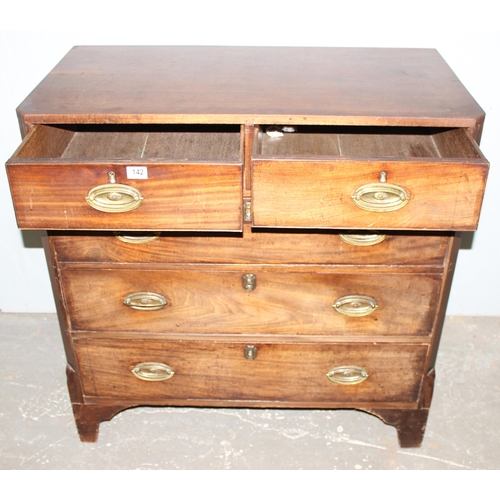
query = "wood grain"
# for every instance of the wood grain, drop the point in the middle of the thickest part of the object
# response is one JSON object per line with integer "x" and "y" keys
{"x": 195, "y": 117}
{"x": 252, "y": 85}
{"x": 190, "y": 196}
{"x": 219, "y": 370}
{"x": 253, "y": 247}
{"x": 285, "y": 302}
{"x": 410, "y": 424}
{"x": 445, "y": 195}
{"x": 366, "y": 142}
{"x": 52, "y": 172}
{"x": 45, "y": 142}
{"x": 161, "y": 142}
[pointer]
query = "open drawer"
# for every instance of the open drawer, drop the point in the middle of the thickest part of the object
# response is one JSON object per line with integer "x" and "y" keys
{"x": 128, "y": 177}
{"x": 367, "y": 178}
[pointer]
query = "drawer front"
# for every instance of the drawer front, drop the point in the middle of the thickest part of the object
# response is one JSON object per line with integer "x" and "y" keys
{"x": 441, "y": 195}
{"x": 252, "y": 300}
{"x": 223, "y": 371}
{"x": 174, "y": 196}
{"x": 255, "y": 247}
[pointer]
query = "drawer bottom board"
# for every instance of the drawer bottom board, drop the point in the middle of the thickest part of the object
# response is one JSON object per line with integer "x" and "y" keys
{"x": 217, "y": 370}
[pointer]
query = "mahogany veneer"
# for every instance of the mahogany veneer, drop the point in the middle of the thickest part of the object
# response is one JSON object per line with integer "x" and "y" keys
{"x": 250, "y": 227}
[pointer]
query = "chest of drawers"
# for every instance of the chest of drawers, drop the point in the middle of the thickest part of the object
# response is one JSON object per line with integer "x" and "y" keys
{"x": 250, "y": 227}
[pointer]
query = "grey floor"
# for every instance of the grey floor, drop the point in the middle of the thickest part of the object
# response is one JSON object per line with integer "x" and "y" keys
{"x": 37, "y": 430}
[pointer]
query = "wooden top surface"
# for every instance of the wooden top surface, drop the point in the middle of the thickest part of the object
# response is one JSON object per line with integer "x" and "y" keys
{"x": 139, "y": 84}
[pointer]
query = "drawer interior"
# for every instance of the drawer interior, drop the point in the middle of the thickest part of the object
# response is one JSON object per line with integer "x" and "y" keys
{"x": 363, "y": 142}
{"x": 146, "y": 142}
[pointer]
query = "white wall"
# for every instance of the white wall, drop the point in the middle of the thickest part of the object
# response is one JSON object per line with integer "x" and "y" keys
{"x": 464, "y": 38}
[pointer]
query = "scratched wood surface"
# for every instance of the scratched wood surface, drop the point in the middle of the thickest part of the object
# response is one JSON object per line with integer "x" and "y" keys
{"x": 219, "y": 370}
{"x": 443, "y": 195}
{"x": 291, "y": 301}
{"x": 252, "y": 85}
{"x": 103, "y": 108}
{"x": 252, "y": 247}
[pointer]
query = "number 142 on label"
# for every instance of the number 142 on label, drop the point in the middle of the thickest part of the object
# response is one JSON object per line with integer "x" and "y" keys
{"x": 137, "y": 172}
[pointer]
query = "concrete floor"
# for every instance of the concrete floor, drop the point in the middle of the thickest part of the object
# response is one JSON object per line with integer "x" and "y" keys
{"x": 37, "y": 430}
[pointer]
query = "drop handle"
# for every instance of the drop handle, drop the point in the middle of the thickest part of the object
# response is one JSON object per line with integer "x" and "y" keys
{"x": 152, "y": 371}
{"x": 145, "y": 301}
{"x": 138, "y": 239}
{"x": 362, "y": 240}
{"x": 355, "y": 305}
{"x": 347, "y": 375}
{"x": 381, "y": 196}
{"x": 113, "y": 197}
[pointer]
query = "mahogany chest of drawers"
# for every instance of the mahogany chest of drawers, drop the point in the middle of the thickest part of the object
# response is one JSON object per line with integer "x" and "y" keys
{"x": 250, "y": 227}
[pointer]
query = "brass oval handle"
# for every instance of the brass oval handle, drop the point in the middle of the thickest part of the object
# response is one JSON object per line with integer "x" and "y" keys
{"x": 152, "y": 371}
{"x": 347, "y": 375}
{"x": 362, "y": 240}
{"x": 355, "y": 305}
{"x": 137, "y": 239}
{"x": 114, "y": 198}
{"x": 380, "y": 197}
{"x": 145, "y": 301}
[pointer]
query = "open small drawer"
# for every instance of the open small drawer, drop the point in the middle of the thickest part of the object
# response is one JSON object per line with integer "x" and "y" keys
{"x": 367, "y": 178}
{"x": 128, "y": 177}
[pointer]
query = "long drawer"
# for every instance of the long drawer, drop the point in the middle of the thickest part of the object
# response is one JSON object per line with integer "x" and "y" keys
{"x": 282, "y": 300}
{"x": 254, "y": 247}
{"x": 147, "y": 370}
{"x": 368, "y": 177}
{"x": 128, "y": 178}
